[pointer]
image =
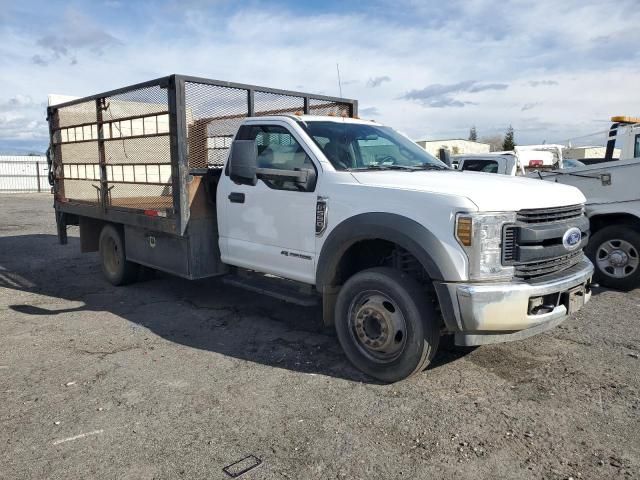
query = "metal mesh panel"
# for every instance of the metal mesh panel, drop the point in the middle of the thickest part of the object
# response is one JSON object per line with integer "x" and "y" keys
{"x": 77, "y": 114}
{"x": 137, "y": 155}
{"x": 138, "y": 150}
{"x": 277, "y": 104}
{"x": 136, "y": 103}
{"x": 86, "y": 152}
{"x": 213, "y": 115}
{"x": 325, "y": 107}
{"x": 136, "y": 142}
{"x": 82, "y": 190}
{"x": 79, "y": 171}
{"x": 141, "y": 196}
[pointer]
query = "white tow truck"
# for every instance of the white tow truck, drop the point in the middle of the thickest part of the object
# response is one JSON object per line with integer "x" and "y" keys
{"x": 613, "y": 205}
{"x": 519, "y": 162}
{"x": 289, "y": 194}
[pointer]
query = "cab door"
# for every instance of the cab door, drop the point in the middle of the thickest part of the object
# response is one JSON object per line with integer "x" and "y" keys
{"x": 270, "y": 226}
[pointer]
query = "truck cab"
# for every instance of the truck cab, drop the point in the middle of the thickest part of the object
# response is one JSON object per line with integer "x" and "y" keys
{"x": 500, "y": 163}
{"x": 521, "y": 161}
{"x": 368, "y": 209}
{"x": 315, "y": 205}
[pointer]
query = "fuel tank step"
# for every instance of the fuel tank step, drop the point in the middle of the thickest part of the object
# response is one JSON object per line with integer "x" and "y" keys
{"x": 276, "y": 287}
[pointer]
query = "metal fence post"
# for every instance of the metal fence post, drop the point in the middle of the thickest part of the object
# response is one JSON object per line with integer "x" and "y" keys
{"x": 38, "y": 175}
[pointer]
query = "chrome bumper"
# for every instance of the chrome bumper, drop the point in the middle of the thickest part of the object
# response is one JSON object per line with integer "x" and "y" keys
{"x": 500, "y": 312}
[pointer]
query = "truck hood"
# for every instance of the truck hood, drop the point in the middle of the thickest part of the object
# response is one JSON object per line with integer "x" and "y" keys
{"x": 489, "y": 191}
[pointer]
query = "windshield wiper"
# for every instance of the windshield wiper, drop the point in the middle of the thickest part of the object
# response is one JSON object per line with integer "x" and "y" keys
{"x": 408, "y": 168}
{"x": 430, "y": 166}
{"x": 383, "y": 167}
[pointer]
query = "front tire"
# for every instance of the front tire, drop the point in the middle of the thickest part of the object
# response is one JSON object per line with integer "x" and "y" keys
{"x": 115, "y": 266}
{"x": 386, "y": 324}
{"x": 615, "y": 254}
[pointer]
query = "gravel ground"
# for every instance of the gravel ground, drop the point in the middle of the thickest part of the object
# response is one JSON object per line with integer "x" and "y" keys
{"x": 171, "y": 379}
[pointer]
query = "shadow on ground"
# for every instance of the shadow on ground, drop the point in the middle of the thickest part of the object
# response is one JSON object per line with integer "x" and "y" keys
{"x": 203, "y": 314}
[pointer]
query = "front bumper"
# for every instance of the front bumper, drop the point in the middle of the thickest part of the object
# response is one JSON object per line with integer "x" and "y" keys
{"x": 499, "y": 312}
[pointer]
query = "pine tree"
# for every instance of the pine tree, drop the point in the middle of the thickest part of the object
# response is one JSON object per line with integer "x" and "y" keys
{"x": 509, "y": 140}
{"x": 473, "y": 135}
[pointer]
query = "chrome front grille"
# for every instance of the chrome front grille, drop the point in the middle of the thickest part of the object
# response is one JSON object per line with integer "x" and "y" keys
{"x": 547, "y": 215}
{"x": 533, "y": 245}
{"x": 529, "y": 270}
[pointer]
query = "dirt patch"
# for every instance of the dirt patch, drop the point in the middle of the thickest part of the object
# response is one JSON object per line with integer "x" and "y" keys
{"x": 183, "y": 378}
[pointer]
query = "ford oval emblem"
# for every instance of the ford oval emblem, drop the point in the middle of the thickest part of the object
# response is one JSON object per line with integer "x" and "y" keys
{"x": 572, "y": 238}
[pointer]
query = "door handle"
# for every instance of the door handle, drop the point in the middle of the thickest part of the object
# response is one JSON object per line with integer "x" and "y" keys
{"x": 236, "y": 197}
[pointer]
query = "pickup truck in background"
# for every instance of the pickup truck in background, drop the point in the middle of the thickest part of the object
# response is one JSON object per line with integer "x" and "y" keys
{"x": 290, "y": 194}
{"x": 613, "y": 206}
{"x": 520, "y": 161}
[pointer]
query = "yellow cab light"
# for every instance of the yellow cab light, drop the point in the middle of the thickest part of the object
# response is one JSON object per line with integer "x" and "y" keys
{"x": 464, "y": 230}
{"x": 625, "y": 119}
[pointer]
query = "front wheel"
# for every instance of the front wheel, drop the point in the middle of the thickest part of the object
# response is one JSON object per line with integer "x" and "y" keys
{"x": 386, "y": 324}
{"x": 615, "y": 253}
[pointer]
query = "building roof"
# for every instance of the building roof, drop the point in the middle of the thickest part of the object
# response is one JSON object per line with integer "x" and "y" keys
{"x": 22, "y": 158}
{"x": 450, "y": 140}
{"x": 585, "y": 146}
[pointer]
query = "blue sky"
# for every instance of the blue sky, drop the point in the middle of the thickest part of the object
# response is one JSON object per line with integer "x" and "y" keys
{"x": 431, "y": 69}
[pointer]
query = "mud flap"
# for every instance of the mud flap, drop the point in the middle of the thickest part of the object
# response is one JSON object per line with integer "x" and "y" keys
{"x": 61, "y": 224}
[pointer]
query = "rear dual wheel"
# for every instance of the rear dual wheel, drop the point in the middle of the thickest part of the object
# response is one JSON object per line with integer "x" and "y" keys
{"x": 115, "y": 266}
{"x": 386, "y": 324}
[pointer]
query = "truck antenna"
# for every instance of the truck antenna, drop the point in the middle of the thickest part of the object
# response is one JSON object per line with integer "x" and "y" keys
{"x": 339, "y": 81}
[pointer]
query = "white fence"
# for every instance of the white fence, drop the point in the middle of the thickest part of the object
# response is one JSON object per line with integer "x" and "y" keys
{"x": 23, "y": 174}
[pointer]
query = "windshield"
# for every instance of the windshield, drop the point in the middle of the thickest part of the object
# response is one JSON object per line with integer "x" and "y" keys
{"x": 356, "y": 146}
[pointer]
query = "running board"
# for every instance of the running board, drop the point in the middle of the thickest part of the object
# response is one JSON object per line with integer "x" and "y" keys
{"x": 276, "y": 287}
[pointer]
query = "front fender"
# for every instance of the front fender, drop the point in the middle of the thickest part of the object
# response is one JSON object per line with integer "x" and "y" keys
{"x": 403, "y": 231}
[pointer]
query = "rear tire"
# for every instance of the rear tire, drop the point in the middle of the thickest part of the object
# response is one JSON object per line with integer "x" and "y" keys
{"x": 115, "y": 266}
{"x": 615, "y": 254}
{"x": 386, "y": 324}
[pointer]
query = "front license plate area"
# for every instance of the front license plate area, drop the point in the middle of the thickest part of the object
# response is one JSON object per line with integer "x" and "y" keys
{"x": 575, "y": 299}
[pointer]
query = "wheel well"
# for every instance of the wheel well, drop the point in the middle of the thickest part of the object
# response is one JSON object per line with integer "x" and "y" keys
{"x": 372, "y": 253}
{"x": 377, "y": 253}
{"x": 598, "y": 222}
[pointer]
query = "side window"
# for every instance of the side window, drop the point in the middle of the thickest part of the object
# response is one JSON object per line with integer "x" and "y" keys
{"x": 636, "y": 147}
{"x": 279, "y": 150}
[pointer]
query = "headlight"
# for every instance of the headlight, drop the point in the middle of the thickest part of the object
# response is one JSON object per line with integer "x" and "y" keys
{"x": 480, "y": 235}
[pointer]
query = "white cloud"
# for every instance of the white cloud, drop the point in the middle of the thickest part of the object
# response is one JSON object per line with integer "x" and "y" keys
{"x": 440, "y": 96}
{"x": 420, "y": 44}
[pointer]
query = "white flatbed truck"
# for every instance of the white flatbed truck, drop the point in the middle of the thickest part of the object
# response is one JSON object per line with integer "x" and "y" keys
{"x": 278, "y": 190}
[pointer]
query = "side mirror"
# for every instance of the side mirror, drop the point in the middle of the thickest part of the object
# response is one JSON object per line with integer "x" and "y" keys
{"x": 243, "y": 162}
{"x": 445, "y": 157}
{"x": 307, "y": 180}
